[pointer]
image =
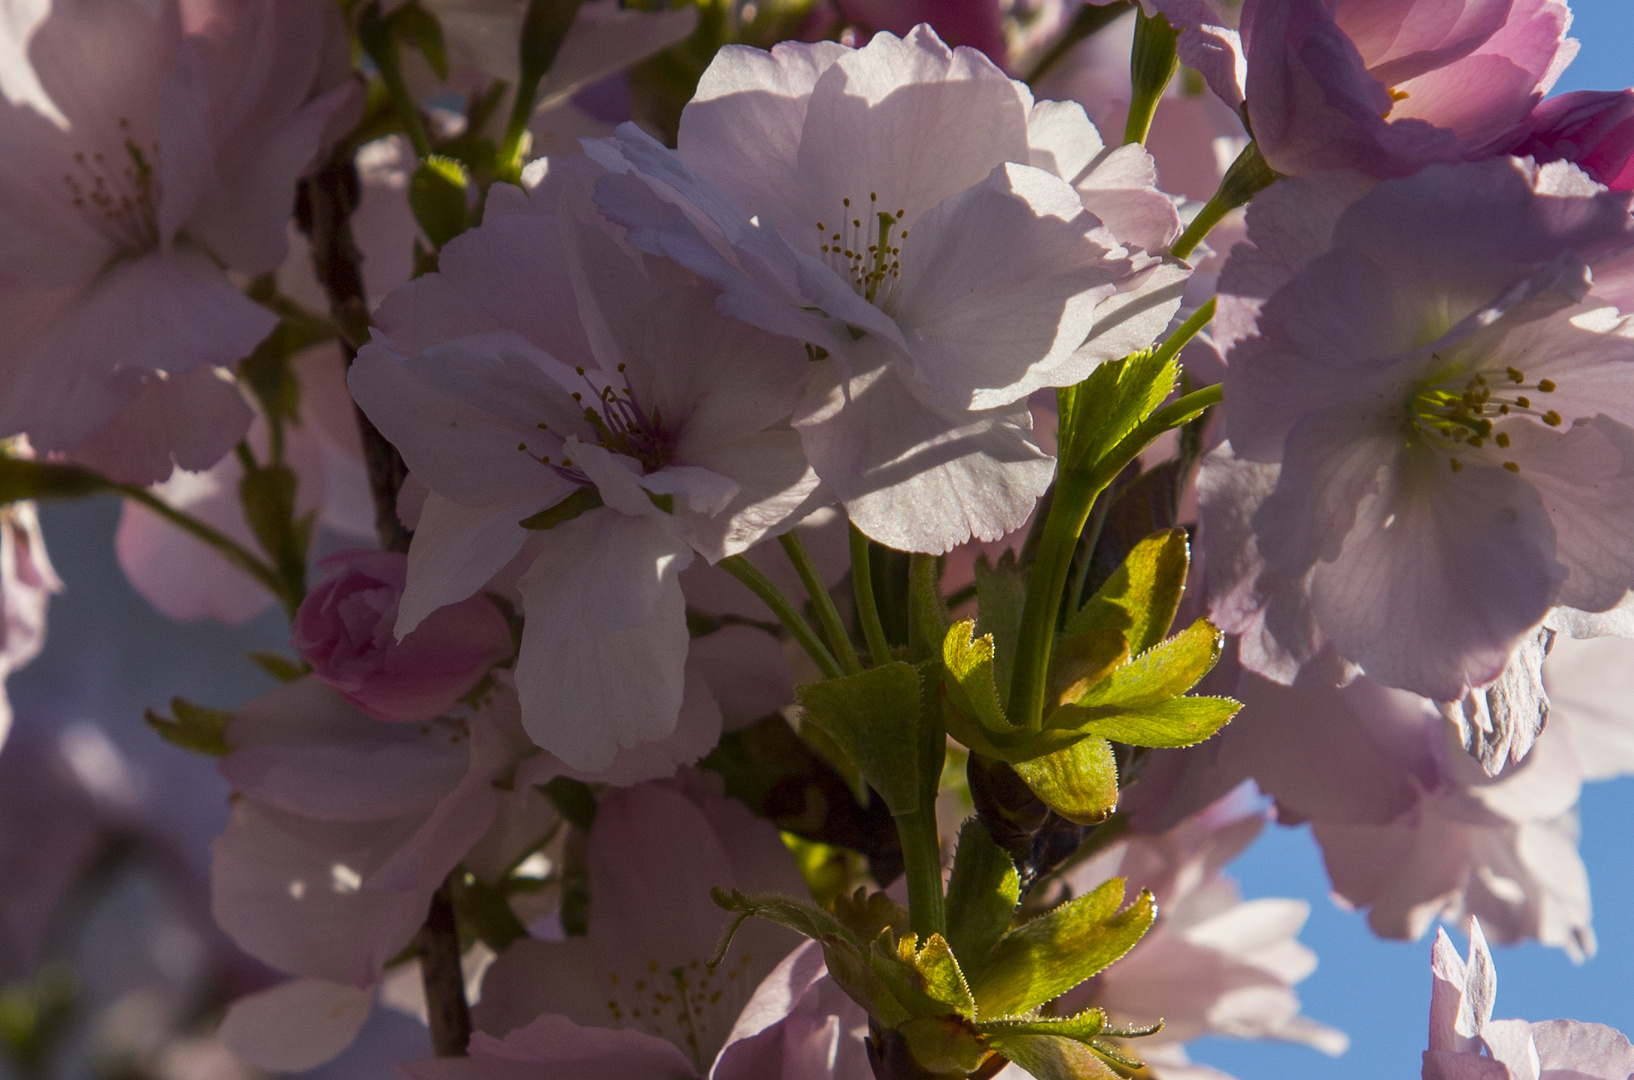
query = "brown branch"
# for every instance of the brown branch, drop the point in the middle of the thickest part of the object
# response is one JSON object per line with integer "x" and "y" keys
{"x": 324, "y": 208}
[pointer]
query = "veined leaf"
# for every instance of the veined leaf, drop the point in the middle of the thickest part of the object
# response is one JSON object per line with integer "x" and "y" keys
{"x": 1097, "y": 413}
{"x": 873, "y": 717}
{"x": 1049, "y": 1057}
{"x": 1001, "y": 595}
{"x": 1081, "y": 662}
{"x": 1181, "y": 721}
{"x": 968, "y": 662}
{"x": 981, "y": 897}
{"x": 1081, "y": 1027}
{"x": 1079, "y": 782}
{"x": 1142, "y": 595}
{"x": 1165, "y": 671}
{"x": 1042, "y": 959}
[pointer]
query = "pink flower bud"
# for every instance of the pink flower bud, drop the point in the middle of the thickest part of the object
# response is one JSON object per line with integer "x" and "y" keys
{"x": 1593, "y": 129}
{"x": 344, "y": 630}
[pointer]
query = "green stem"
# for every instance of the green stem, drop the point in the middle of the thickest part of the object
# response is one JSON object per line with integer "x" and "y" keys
{"x": 1186, "y": 331}
{"x": 922, "y": 866}
{"x": 544, "y": 27}
{"x": 862, "y": 584}
{"x": 1075, "y": 493}
{"x": 1246, "y": 177}
{"x": 230, "y": 549}
{"x": 1089, "y": 20}
{"x": 786, "y": 612}
{"x": 375, "y": 34}
{"x": 827, "y": 616}
{"x": 1152, "y": 64}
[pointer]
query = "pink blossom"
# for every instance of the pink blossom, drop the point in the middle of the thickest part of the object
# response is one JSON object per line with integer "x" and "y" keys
{"x": 344, "y": 630}
{"x": 655, "y": 851}
{"x": 1467, "y": 1044}
{"x": 342, "y": 830}
{"x": 27, "y": 583}
{"x": 1593, "y": 129}
{"x": 1385, "y": 88}
{"x": 186, "y": 579}
{"x": 1378, "y": 521}
{"x": 978, "y": 24}
{"x": 151, "y": 144}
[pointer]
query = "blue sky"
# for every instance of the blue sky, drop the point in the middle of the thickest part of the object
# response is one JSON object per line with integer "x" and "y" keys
{"x": 1379, "y": 991}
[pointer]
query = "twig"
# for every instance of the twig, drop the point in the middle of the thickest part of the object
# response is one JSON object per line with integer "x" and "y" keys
{"x": 325, "y": 207}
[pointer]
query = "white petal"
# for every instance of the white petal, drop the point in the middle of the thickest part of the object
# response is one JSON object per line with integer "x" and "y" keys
{"x": 914, "y": 477}
{"x": 602, "y": 656}
{"x": 297, "y": 1025}
{"x": 455, "y": 551}
{"x": 999, "y": 287}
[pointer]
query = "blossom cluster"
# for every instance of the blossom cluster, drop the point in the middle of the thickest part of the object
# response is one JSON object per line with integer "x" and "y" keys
{"x": 812, "y": 532}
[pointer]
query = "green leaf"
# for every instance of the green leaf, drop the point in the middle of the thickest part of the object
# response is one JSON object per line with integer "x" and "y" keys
{"x": 1097, "y": 413}
{"x": 21, "y": 478}
{"x": 282, "y": 668}
{"x": 1182, "y": 721}
{"x": 437, "y": 195}
{"x": 544, "y": 28}
{"x": 873, "y": 717}
{"x": 1081, "y": 662}
{"x": 939, "y": 977}
{"x": 582, "y": 500}
{"x": 192, "y": 727}
{"x": 1080, "y": 1027}
{"x": 420, "y": 28}
{"x": 1142, "y": 595}
{"x": 927, "y": 612}
{"x": 1048, "y": 1057}
{"x": 1079, "y": 782}
{"x": 1001, "y": 596}
{"x": 1163, "y": 672}
{"x": 982, "y": 895}
{"x": 1042, "y": 959}
{"x": 944, "y": 1046}
{"x": 968, "y": 662}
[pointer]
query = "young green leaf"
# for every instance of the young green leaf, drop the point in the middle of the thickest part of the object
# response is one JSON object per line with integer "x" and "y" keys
{"x": 1049, "y": 1057}
{"x": 874, "y": 717}
{"x": 1042, "y": 959}
{"x": 944, "y": 1046}
{"x": 1098, "y": 412}
{"x": 1001, "y": 596}
{"x": 1181, "y": 721}
{"x": 1142, "y": 595}
{"x": 192, "y": 727}
{"x": 1079, "y": 782}
{"x": 1081, "y": 662}
{"x": 968, "y": 662}
{"x": 1080, "y": 1026}
{"x": 1165, "y": 671}
{"x": 437, "y": 193}
{"x": 982, "y": 895}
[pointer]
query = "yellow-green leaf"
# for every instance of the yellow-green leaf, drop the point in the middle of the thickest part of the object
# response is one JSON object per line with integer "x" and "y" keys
{"x": 968, "y": 660}
{"x": 1165, "y": 671}
{"x": 873, "y": 717}
{"x": 1079, "y": 782}
{"x": 1042, "y": 959}
{"x": 1181, "y": 721}
{"x": 982, "y": 894}
{"x": 1001, "y": 596}
{"x": 1080, "y": 663}
{"x": 1049, "y": 1057}
{"x": 1142, "y": 595}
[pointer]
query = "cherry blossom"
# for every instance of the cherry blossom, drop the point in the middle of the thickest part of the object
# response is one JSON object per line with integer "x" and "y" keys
{"x": 27, "y": 583}
{"x": 635, "y": 990}
{"x": 1388, "y": 88}
{"x": 887, "y": 205}
{"x": 511, "y": 388}
{"x": 1428, "y": 398}
{"x": 149, "y": 151}
{"x": 1592, "y": 129}
{"x": 1465, "y": 1042}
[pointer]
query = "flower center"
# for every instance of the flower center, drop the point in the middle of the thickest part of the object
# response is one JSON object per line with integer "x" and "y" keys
{"x": 620, "y": 424}
{"x": 681, "y": 1005}
{"x": 120, "y": 198}
{"x": 1460, "y": 419}
{"x": 874, "y": 268}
